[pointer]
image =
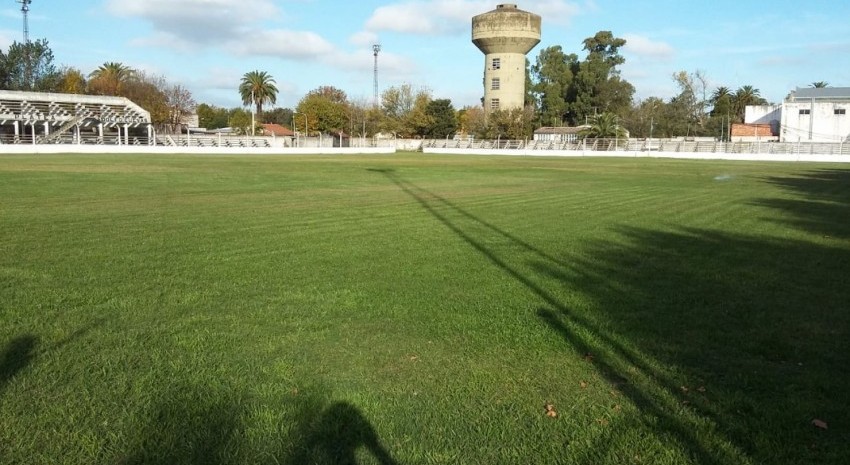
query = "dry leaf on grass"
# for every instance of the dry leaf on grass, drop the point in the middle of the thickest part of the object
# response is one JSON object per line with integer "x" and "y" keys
{"x": 550, "y": 411}
{"x": 583, "y": 384}
{"x": 820, "y": 424}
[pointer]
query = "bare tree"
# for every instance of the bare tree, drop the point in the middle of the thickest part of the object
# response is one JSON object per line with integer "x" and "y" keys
{"x": 180, "y": 105}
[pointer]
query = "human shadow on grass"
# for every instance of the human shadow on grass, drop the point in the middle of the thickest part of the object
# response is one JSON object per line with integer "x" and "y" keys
{"x": 822, "y": 205}
{"x": 685, "y": 325}
{"x": 335, "y": 436}
{"x": 16, "y": 356}
{"x": 195, "y": 425}
{"x": 21, "y": 352}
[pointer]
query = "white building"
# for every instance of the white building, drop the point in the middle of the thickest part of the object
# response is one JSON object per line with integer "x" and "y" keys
{"x": 807, "y": 115}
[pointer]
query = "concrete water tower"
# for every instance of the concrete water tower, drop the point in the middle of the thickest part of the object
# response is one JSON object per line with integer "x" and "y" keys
{"x": 505, "y": 35}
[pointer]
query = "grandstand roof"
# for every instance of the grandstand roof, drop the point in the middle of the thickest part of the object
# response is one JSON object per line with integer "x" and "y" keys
{"x": 41, "y": 107}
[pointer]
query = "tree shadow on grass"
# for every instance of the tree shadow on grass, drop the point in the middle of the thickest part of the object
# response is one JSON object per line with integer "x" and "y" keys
{"x": 760, "y": 326}
{"x": 728, "y": 344}
{"x": 823, "y": 206}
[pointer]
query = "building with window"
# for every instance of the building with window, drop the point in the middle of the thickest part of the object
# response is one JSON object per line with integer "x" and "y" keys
{"x": 807, "y": 115}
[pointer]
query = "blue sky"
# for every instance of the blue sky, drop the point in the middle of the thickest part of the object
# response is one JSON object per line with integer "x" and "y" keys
{"x": 207, "y": 45}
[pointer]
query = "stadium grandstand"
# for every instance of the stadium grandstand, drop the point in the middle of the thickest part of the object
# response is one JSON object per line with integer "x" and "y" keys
{"x": 50, "y": 118}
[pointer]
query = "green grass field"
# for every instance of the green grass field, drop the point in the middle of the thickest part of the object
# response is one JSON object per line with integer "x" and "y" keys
{"x": 412, "y": 309}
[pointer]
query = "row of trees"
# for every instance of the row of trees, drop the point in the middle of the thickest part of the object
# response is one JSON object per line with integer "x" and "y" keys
{"x": 30, "y": 67}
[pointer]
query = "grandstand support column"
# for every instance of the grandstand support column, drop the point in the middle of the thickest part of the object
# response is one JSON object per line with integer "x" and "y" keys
{"x": 32, "y": 126}
{"x": 17, "y": 129}
{"x": 126, "y": 134}
{"x": 100, "y": 132}
{"x": 150, "y": 135}
{"x": 46, "y": 129}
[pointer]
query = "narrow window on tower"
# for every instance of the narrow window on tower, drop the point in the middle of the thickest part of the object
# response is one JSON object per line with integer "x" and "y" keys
{"x": 840, "y": 111}
{"x": 805, "y": 112}
{"x": 497, "y": 63}
{"x": 495, "y": 84}
{"x": 494, "y": 104}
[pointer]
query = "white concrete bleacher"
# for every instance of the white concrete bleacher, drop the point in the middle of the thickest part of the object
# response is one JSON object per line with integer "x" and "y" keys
{"x": 50, "y": 118}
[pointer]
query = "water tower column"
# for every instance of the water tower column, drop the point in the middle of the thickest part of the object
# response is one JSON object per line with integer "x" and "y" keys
{"x": 505, "y": 35}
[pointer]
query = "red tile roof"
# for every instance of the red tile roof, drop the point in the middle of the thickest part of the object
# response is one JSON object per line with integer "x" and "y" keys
{"x": 277, "y": 130}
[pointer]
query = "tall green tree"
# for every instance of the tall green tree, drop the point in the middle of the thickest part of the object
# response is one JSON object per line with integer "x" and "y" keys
{"x": 281, "y": 116}
{"x": 240, "y": 121}
{"x": 820, "y": 84}
{"x": 552, "y": 73}
{"x": 404, "y": 110}
{"x": 212, "y": 117}
{"x": 598, "y": 87}
{"x": 258, "y": 88}
{"x": 29, "y": 67}
{"x": 443, "y": 119}
{"x": 326, "y": 110}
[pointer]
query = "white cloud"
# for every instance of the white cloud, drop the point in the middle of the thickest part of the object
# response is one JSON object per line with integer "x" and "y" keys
{"x": 197, "y": 21}
{"x": 364, "y": 38}
{"x": 362, "y": 61}
{"x": 6, "y": 38}
{"x": 438, "y": 17}
{"x": 298, "y": 45}
{"x": 645, "y": 47}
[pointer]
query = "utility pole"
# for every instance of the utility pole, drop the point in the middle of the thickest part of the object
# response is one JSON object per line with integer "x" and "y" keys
{"x": 375, "y": 50}
{"x": 25, "y": 9}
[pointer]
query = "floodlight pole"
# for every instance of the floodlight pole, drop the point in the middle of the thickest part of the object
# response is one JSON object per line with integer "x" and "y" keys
{"x": 253, "y": 102}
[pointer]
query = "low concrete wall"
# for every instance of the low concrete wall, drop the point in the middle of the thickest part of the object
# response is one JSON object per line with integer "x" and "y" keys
{"x": 634, "y": 154}
{"x": 159, "y": 150}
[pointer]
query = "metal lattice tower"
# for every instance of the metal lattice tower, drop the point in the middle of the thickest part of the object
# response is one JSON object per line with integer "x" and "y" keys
{"x": 376, "y": 49}
{"x": 25, "y": 9}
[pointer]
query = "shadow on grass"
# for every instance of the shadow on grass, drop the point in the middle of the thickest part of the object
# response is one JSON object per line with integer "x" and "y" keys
{"x": 17, "y": 355}
{"x": 190, "y": 426}
{"x": 824, "y": 203}
{"x": 21, "y": 352}
{"x": 197, "y": 425}
{"x": 728, "y": 344}
{"x": 335, "y": 435}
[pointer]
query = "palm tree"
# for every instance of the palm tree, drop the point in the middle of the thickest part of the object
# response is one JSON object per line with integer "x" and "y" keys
{"x": 719, "y": 93}
{"x": 258, "y": 88}
{"x": 820, "y": 84}
{"x": 110, "y": 77}
{"x": 604, "y": 125}
{"x": 744, "y": 96}
{"x": 721, "y": 101}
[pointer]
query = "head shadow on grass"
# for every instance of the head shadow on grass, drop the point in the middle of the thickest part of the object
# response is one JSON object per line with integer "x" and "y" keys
{"x": 195, "y": 425}
{"x": 22, "y": 352}
{"x": 727, "y": 343}
{"x": 15, "y": 357}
